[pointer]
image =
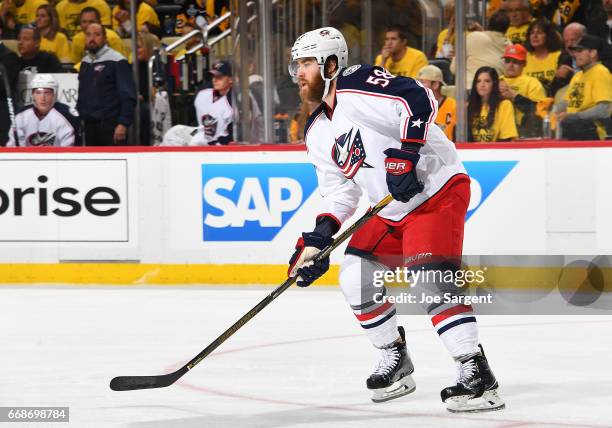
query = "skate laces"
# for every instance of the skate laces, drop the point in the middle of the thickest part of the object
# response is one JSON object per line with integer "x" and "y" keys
{"x": 466, "y": 370}
{"x": 388, "y": 359}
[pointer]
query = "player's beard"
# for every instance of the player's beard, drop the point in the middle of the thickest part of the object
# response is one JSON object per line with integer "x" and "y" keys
{"x": 313, "y": 91}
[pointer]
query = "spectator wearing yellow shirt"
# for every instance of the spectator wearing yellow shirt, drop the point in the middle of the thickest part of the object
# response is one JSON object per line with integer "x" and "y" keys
{"x": 52, "y": 40}
{"x": 544, "y": 48}
{"x": 90, "y": 15}
{"x": 397, "y": 57}
{"x": 23, "y": 11}
{"x": 491, "y": 118}
{"x": 587, "y": 104}
{"x": 523, "y": 91}
{"x": 518, "y": 13}
{"x": 69, "y": 12}
{"x": 431, "y": 77}
{"x": 146, "y": 18}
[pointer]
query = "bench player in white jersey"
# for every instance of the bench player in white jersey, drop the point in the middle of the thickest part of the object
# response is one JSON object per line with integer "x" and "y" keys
{"x": 375, "y": 133}
{"x": 214, "y": 112}
{"x": 45, "y": 122}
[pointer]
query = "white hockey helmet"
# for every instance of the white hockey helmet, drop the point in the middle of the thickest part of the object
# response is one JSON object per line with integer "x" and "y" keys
{"x": 44, "y": 81}
{"x": 320, "y": 44}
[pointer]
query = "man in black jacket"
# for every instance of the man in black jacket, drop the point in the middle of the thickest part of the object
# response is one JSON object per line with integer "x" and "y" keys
{"x": 10, "y": 63}
{"x": 32, "y": 57}
{"x": 107, "y": 94}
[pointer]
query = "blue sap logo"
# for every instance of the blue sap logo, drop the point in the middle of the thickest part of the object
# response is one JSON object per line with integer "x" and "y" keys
{"x": 486, "y": 176}
{"x": 252, "y": 202}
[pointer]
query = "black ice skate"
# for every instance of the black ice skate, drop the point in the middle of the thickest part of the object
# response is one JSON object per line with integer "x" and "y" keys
{"x": 391, "y": 378}
{"x": 476, "y": 388}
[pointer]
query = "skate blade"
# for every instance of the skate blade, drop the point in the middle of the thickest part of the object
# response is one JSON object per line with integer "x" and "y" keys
{"x": 489, "y": 402}
{"x": 404, "y": 386}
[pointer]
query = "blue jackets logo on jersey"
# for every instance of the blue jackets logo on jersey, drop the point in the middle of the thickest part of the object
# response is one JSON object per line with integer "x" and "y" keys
{"x": 349, "y": 154}
{"x": 41, "y": 139}
{"x": 485, "y": 176}
{"x": 252, "y": 202}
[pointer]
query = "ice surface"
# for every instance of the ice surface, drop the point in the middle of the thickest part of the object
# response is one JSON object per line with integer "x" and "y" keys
{"x": 302, "y": 362}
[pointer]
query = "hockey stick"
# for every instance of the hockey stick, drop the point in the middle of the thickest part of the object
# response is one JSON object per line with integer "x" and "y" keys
{"x": 9, "y": 102}
{"x": 128, "y": 383}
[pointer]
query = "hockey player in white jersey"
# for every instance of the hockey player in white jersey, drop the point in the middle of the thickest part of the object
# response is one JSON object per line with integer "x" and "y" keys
{"x": 374, "y": 133}
{"x": 45, "y": 122}
{"x": 214, "y": 112}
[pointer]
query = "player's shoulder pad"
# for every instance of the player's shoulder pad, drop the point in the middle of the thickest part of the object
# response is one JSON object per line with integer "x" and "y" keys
{"x": 24, "y": 109}
{"x": 65, "y": 110}
{"x": 202, "y": 92}
{"x": 312, "y": 118}
{"x": 355, "y": 76}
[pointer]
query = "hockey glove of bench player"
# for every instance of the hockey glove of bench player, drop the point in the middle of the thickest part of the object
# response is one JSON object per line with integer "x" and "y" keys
{"x": 402, "y": 180}
{"x": 307, "y": 248}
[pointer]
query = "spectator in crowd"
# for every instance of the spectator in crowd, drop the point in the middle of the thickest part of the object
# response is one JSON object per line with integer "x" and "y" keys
{"x": 69, "y": 12}
{"x": 445, "y": 46}
{"x": 399, "y": 58}
{"x": 107, "y": 94}
{"x": 9, "y": 64}
{"x": 146, "y": 18}
{"x": 491, "y": 117}
{"x": 53, "y": 40}
{"x": 187, "y": 28}
{"x": 566, "y": 65}
{"x": 32, "y": 58}
{"x": 587, "y": 104}
{"x": 196, "y": 12}
{"x": 486, "y": 48}
{"x": 22, "y": 12}
{"x": 518, "y": 13}
{"x": 525, "y": 92}
{"x": 431, "y": 77}
{"x": 90, "y": 15}
{"x": 590, "y": 13}
{"x": 544, "y": 46}
{"x": 147, "y": 43}
{"x": 214, "y": 111}
{"x": 45, "y": 122}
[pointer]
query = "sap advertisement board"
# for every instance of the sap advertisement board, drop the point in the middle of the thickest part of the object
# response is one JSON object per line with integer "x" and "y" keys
{"x": 245, "y": 206}
{"x": 70, "y": 200}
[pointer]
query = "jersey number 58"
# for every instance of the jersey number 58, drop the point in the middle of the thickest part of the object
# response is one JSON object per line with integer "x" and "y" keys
{"x": 380, "y": 77}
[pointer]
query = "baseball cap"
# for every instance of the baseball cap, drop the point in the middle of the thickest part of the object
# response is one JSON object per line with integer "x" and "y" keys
{"x": 431, "y": 72}
{"x": 221, "y": 68}
{"x": 589, "y": 42}
{"x": 517, "y": 52}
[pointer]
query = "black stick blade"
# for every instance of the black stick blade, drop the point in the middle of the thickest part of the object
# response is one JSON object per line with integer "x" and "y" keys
{"x": 129, "y": 383}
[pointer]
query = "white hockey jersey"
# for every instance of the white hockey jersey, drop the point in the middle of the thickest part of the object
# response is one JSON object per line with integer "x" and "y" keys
{"x": 215, "y": 115}
{"x": 59, "y": 127}
{"x": 373, "y": 111}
